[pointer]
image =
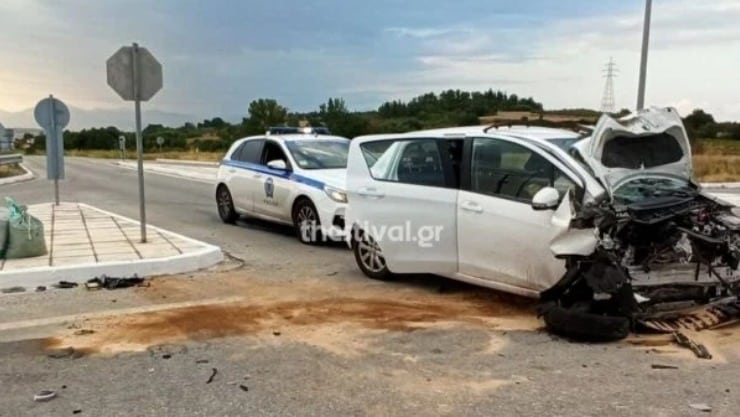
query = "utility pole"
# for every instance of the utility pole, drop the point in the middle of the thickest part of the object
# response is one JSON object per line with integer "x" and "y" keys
{"x": 607, "y": 100}
{"x": 644, "y": 57}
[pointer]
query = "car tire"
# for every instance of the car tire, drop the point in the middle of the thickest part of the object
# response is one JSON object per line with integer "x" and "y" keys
{"x": 225, "y": 205}
{"x": 369, "y": 257}
{"x": 583, "y": 325}
{"x": 306, "y": 222}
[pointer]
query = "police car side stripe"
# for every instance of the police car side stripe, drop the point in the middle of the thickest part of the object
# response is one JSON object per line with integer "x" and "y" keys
{"x": 275, "y": 172}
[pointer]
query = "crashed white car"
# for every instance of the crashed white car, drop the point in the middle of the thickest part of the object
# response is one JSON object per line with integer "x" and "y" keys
{"x": 607, "y": 229}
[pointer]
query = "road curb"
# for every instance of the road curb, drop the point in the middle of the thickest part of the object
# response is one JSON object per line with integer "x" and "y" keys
{"x": 29, "y": 175}
{"x": 32, "y": 277}
{"x": 731, "y": 185}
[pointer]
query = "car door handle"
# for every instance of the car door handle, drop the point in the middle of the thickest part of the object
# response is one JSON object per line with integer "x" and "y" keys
{"x": 257, "y": 176}
{"x": 232, "y": 170}
{"x": 369, "y": 192}
{"x": 471, "y": 206}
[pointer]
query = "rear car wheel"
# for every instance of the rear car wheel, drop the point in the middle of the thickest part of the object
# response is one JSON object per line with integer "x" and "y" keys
{"x": 306, "y": 222}
{"x": 225, "y": 205}
{"x": 369, "y": 257}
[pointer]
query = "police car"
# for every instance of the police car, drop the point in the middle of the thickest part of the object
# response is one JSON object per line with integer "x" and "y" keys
{"x": 292, "y": 176}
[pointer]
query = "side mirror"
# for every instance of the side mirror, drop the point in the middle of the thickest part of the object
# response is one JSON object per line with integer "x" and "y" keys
{"x": 277, "y": 164}
{"x": 547, "y": 198}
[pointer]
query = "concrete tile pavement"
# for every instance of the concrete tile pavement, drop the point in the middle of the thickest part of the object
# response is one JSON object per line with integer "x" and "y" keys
{"x": 84, "y": 242}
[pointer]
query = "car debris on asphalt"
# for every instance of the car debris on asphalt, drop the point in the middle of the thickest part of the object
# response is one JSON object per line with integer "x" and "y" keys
{"x": 661, "y": 366}
{"x": 113, "y": 283}
{"x": 13, "y": 290}
{"x": 65, "y": 285}
{"x": 45, "y": 395}
{"x": 68, "y": 352}
{"x": 684, "y": 340}
{"x": 706, "y": 408}
{"x": 214, "y": 371}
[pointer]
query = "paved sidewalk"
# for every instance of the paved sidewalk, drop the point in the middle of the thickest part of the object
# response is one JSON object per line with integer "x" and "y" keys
{"x": 84, "y": 242}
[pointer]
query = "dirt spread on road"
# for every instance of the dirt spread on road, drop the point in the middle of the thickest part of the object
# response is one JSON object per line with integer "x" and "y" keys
{"x": 311, "y": 311}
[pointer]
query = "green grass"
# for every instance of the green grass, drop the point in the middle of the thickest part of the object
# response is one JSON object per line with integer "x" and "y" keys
{"x": 717, "y": 160}
{"x": 11, "y": 170}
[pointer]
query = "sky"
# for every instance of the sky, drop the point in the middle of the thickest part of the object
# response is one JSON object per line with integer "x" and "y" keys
{"x": 218, "y": 55}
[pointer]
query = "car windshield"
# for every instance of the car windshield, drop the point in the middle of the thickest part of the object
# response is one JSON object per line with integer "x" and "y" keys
{"x": 564, "y": 143}
{"x": 651, "y": 187}
{"x": 319, "y": 154}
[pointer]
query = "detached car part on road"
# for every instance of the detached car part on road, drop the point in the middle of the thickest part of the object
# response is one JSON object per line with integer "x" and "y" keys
{"x": 607, "y": 229}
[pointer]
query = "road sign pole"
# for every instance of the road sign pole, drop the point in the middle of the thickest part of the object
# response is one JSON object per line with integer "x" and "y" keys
{"x": 53, "y": 115}
{"x": 52, "y": 152}
{"x": 644, "y": 55}
{"x": 136, "y": 76}
{"x": 139, "y": 140}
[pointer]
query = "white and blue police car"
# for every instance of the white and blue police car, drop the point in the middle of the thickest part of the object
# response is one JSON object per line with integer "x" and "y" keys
{"x": 293, "y": 176}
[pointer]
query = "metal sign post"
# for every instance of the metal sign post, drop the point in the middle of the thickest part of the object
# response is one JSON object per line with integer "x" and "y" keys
{"x": 160, "y": 142}
{"x": 53, "y": 115}
{"x": 644, "y": 55}
{"x": 136, "y": 76}
{"x": 122, "y": 146}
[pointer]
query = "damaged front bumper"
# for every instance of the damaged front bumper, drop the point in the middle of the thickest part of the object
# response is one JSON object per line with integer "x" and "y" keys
{"x": 662, "y": 266}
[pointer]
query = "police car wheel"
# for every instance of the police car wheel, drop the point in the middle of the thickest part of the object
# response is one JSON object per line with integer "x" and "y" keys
{"x": 369, "y": 257}
{"x": 226, "y": 205}
{"x": 306, "y": 222}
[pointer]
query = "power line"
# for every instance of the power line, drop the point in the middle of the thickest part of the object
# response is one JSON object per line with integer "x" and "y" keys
{"x": 607, "y": 101}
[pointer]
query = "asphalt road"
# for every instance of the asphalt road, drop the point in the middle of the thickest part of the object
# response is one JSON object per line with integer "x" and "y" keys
{"x": 185, "y": 206}
{"x": 314, "y": 338}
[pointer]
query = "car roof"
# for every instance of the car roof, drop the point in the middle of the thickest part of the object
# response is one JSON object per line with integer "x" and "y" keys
{"x": 530, "y": 132}
{"x": 294, "y": 136}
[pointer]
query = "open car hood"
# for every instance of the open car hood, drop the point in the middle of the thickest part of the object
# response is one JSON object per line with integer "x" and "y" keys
{"x": 645, "y": 143}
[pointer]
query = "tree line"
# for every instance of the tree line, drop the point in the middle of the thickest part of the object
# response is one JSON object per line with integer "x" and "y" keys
{"x": 431, "y": 110}
{"x": 427, "y": 111}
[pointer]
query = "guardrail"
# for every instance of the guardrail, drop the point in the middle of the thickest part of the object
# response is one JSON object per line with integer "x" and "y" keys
{"x": 11, "y": 159}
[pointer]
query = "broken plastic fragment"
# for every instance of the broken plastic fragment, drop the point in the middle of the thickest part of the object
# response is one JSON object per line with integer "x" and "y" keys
{"x": 701, "y": 407}
{"x": 44, "y": 395}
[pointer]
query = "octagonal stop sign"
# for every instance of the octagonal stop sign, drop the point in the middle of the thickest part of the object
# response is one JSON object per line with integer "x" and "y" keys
{"x": 123, "y": 75}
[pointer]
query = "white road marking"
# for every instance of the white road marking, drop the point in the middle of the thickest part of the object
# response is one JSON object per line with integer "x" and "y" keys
{"x": 26, "y": 324}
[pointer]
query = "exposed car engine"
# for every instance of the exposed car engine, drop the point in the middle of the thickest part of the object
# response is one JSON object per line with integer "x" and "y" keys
{"x": 655, "y": 258}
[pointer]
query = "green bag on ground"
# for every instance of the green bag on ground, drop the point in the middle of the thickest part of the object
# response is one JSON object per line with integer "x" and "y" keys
{"x": 25, "y": 233}
{"x": 4, "y": 219}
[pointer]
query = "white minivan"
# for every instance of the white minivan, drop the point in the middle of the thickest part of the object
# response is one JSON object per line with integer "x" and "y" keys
{"x": 609, "y": 224}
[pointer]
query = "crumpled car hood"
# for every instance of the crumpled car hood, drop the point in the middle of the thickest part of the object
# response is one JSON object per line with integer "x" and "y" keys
{"x": 646, "y": 143}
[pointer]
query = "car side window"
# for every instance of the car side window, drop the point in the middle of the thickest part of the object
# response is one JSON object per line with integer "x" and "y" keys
{"x": 249, "y": 151}
{"x": 271, "y": 152}
{"x": 412, "y": 161}
{"x": 505, "y": 169}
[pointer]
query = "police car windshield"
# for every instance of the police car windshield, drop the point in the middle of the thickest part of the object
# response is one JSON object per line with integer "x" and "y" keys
{"x": 319, "y": 154}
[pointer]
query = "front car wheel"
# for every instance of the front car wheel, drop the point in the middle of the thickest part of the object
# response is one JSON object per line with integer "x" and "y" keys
{"x": 306, "y": 222}
{"x": 225, "y": 205}
{"x": 369, "y": 257}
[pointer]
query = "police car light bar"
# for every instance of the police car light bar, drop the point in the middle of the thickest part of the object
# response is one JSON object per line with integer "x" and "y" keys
{"x": 288, "y": 130}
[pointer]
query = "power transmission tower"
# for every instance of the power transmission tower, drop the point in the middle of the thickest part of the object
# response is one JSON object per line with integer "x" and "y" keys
{"x": 607, "y": 101}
